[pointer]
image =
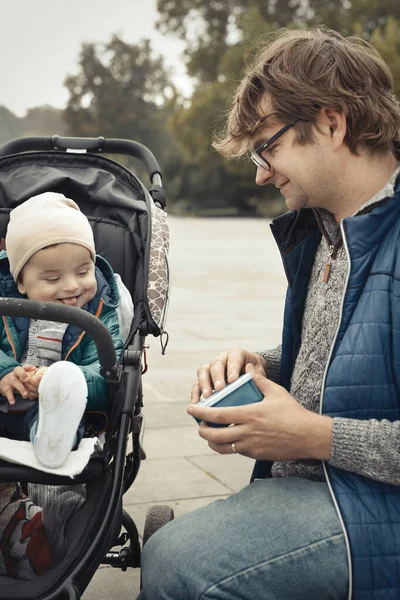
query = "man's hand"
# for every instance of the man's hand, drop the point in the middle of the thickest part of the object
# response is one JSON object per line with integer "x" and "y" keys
{"x": 225, "y": 368}
{"x": 277, "y": 428}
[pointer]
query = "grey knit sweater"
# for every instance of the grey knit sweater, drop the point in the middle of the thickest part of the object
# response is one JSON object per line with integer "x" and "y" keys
{"x": 370, "y": 448}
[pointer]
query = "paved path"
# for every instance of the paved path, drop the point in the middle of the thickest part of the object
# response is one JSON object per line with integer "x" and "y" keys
{"x": 227, "y": 290}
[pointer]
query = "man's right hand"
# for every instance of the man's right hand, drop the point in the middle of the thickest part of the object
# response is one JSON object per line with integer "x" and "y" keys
{"x": 225, "y": 368}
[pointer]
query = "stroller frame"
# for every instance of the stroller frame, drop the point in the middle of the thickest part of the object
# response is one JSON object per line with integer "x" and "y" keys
{"x": 113, "y": 465}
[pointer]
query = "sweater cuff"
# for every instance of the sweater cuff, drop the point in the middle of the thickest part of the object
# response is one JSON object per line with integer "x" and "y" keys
{"x": 273, "y": 360}
{"x": 369, "y": 448}
{"x": 348, "y": 443}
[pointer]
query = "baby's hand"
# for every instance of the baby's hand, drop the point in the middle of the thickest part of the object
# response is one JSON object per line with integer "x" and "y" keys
{"x": 34, "y": 376}
{"x": 30, "y": 369}
{"x": 14, "y": 382}
{"x": 35, "y": 371}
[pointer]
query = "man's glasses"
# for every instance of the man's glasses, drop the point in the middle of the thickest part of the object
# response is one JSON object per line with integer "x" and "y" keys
{"x": 256, "y": 155}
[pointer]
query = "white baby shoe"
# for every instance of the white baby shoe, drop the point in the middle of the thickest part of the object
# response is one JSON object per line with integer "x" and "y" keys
{"x": 62, "y": 401}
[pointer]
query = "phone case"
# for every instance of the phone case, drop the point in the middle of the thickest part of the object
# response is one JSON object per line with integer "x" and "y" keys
{"x": 240, "y": 392}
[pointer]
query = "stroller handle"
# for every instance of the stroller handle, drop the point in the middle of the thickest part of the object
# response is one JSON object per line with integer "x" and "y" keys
{"x": 92, "y": 145}
{"x": 34, "y": 309}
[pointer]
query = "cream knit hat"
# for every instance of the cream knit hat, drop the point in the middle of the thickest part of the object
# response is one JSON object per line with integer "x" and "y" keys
{"x": 41, "y": 221}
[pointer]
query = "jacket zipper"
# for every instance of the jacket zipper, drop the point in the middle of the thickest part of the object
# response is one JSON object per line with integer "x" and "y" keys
{"x": 9, "y": 336}
{"x": 333, "y": 248}
{"x": 78, "y": 341}
{"x": 346, "y": 539}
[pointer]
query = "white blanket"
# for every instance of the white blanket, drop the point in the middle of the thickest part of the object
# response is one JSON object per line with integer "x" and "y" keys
{"x": 22, "y": 453}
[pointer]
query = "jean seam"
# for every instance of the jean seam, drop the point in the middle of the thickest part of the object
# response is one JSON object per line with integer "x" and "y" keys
{"x": 270, "y": 561}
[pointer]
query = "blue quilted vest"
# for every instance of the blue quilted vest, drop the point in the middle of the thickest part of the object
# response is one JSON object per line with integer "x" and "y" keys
{"x": 362, "y": 379}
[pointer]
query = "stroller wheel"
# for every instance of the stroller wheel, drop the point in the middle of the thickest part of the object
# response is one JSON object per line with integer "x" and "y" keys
{"x": 156, "y": 517}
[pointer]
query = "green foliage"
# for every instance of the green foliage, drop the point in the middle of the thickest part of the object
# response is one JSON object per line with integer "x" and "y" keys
{"x": 220, "y": 37}
{"x": 387, "y": 41}
{"x": 121, "y": 91}
{"x": 39, "y": 121}
{"x": 124, "y": 90}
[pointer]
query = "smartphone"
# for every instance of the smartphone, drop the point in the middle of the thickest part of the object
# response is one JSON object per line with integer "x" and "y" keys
{"x": 239, "y": 392}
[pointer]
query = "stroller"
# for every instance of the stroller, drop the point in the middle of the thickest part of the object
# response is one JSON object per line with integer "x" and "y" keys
{"x": 131, "y": 232}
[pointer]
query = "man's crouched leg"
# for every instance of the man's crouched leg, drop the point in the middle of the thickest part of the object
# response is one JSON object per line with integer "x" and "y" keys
{"x": 275, "y": 539}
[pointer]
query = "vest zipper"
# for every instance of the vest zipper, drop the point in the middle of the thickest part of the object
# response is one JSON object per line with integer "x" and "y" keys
{"x": 346, "y": 539}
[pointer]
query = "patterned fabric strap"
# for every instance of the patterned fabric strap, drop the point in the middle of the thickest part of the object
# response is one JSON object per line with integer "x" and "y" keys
{"x": 158, "y": 281}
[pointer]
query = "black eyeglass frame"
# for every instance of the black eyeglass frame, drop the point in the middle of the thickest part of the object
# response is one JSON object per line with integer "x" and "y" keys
{"x": 256, "y": 155}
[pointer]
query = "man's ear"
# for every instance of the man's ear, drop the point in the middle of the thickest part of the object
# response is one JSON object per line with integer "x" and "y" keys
{"x": 337, "y": 125}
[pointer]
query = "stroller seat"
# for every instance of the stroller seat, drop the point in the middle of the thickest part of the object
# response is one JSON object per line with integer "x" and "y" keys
{"x": 131, "y": 233}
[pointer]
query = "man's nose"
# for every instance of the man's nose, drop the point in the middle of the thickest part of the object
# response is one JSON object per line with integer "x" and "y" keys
{"x": 263, "y": 176}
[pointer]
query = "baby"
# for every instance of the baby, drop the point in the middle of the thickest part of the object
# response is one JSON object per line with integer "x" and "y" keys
{"x": 50, "y": 372}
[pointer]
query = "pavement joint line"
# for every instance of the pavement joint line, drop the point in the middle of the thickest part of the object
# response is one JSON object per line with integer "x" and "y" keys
{"x": 178, "y": 456}
{"x": 148, "y": 427}
{"x": 231, "y": 490}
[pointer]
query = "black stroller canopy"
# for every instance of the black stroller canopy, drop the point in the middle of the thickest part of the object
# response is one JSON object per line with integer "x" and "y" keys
{"x": 114, "y": 200}
{"x": 83, "y": 177}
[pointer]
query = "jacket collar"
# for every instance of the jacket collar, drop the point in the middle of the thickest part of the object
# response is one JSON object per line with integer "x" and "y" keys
{"x": 293, "y": 227}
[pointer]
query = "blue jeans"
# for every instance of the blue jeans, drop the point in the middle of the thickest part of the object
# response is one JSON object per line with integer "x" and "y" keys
{"x": 277, "y": 539}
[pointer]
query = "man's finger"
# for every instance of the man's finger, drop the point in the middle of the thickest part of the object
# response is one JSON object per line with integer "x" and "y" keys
{"x": 221, "y": 416}
{"x": 196, "y": 393}
{"x": 234, "y": 367}
{"x": 204, "y": 380}
{"x": 264, "y": 384}
{"x": 222, "y": 436}
{"x": 218, "y": 372}
{"x": 223, "y": 448}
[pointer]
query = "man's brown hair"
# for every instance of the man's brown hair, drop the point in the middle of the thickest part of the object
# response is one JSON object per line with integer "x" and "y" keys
{"x": 301, "y": 72}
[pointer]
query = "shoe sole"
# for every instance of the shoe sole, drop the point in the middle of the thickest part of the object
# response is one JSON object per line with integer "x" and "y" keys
{"x": 62, "y": 402}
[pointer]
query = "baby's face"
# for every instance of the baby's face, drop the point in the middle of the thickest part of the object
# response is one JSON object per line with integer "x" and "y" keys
{"x": 63, "y": 273}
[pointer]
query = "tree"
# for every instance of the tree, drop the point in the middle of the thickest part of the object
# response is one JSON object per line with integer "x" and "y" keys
{"x": 121, "y": 90}
{"x": 386, "y": 41}
{"x": 38, "y": 121}
{"x": 209, "y": 27}
{"x": 219, "y": 36}
{"x": 208, "y": 180}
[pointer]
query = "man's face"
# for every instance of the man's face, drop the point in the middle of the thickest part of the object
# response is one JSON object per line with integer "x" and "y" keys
{"x": 307, "y": 175}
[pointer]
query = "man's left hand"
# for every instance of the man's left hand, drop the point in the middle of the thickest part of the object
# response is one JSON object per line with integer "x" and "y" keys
{"x": 277, "y": 428}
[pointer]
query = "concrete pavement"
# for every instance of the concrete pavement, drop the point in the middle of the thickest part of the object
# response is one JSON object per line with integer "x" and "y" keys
{"x": 227, "y": 289}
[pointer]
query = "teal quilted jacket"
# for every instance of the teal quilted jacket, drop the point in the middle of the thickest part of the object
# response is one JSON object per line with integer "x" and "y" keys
{"x": 78, "y": 347}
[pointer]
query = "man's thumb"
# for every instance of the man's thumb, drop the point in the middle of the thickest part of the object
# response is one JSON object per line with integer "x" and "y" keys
{"x": 263, "y": 384}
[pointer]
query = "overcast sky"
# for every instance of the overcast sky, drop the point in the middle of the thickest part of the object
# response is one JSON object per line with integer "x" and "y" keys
{"x": 40, "y": 42}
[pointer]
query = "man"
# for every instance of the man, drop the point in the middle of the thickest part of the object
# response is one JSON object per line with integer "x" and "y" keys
{"x": 322, "y": 516}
